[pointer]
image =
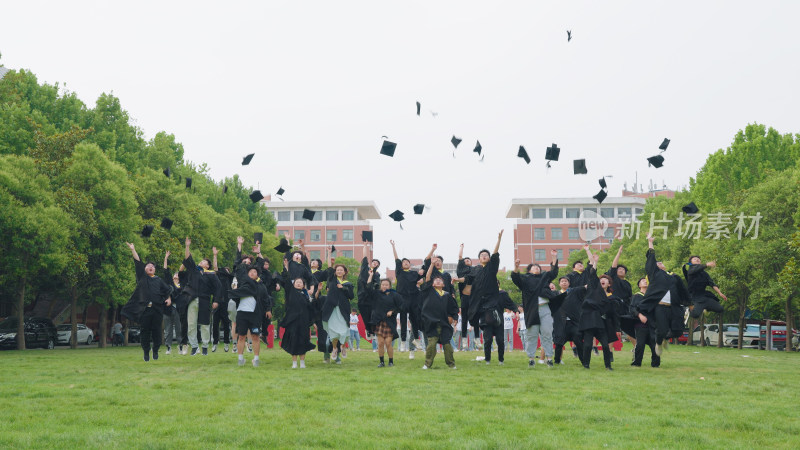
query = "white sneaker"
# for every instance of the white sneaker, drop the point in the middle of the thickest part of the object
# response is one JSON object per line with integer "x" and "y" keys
{"x": 256, "y": 362}
{"x": 454, "y": 367}
{"x": 226, "y": 348}
{"x": 658, "y": 350}
{"x": 169, "y": 350}
{"x": 411, "y": 355}
{"x": 424, "y": 367}
{"x": 213, "y": 348}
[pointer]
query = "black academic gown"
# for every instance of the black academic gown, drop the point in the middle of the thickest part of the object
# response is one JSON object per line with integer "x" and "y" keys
{"x": 569, "y": 312}
{"x": 296, "y": 321}
{"x": 365, "y": 296}
{"x": 407, "y": 285}
{"x": 598, "y": 310}
{"x": 383, "y": 303}
{"x": 464, "y": 271}
{"x": 659, "y": 283}
{"x": 337, "y": 297}
{"x": 446, "y": 277}
{"x": 485, "y": 290}
{"x": 436, "y": 309}
{"x": 148, "y": 290}
{"x": 620, "y": 287}
{"x": 534, "y": 286}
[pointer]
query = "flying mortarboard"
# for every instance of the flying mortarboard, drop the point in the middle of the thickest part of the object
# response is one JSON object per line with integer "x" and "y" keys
{"x": 664, "y": 144}
{"x": 366, "y": 236}
{"x": 551, "y": 154}
{"x": 225, "y": 189}
{"x": 256, "y": 196}
{"x": 147, "y": 230}
{"x": 397, "y": 216}
{"x": 333, "y": 248}
{"x": 600, "y": 196}
{"x": 418, "y": 106}
{"x": 188, "y": 182}
{"x": 388, "y": 148}
{"x": 283, "y": 246}
{"x": 523, "y": 154}
{"x": 579, "y": 167}
{"x": 455, "y": 141}
{"x": 258, "y": 237}
{"x": 308, "y": 214}
{"x": 656, "y": 161}
{"x": 478, "y": 148}
{"x": 418, "y": 208}
{"x": 166, "y": 223}
{"x": 247, "y": 159}
{"x": 280, "y": 191}
{"x": 167, "y": 172}
{"x": 602, "y": 182}
{"x": 691, "y": 208}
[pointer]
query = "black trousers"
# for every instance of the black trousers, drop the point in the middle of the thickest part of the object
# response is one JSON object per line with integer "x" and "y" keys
{"x": 705, "y": 301}
{"x": 403, "y": 326}
{"x": 588, "y": 339}
{"x": 221, "y": 315}
{"x": 659, "y": 318}
{"x": 151, "y": 321}
{"x": 568, "y": 331}
{"x": 645, "y": 336}
{"x": 182, "y": 313}
{"x": 493, "y": 332}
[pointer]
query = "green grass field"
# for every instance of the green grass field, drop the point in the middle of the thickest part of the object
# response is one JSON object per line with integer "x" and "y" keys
{"x": 100, "y": 398}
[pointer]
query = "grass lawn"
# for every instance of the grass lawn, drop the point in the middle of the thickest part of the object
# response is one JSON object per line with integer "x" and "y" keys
{"x": 699, "y": 398}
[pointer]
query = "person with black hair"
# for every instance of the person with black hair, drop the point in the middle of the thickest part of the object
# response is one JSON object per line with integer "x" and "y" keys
{"x": 253, "y": 304}
{"x": 386, "y": 304}
{"x": 336, "y": 309}
{"x": 464, "y": 278}
{"x": 567, "y": 320}
{"x": 656, "y": 302}
{"x": 221, "y": 312}
{"x": 438, "y": 263}
{"x": 645, "y": 334}
{"x": 146, "y": 304}
{"x": 439, "y": 314}
{"x": 365, "y": 297}
{"x": 406, "y": 282}
{"x": 698, "y": 280}
{"x": 598, "y": 314}
{"x": 172, "y": 316}
{"x": 297, "y": 319}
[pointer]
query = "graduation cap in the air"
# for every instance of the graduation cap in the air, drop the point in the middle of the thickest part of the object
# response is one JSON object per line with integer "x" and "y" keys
{"x": 569, "y": 35}
{"x": 523, "y": 154}
{"x": 280, "y": 191}
{"x": 656, "y": 161}
{"x": 664, "y": 144}
{"x": 167, "y": 172}
{"x": 308, "y": 214}
{"x": 283, "y": 246}
{"x": 258, "y": 237}
{"x": 366, "y": 236}
{"x": 579, "y": 167}
{"x": 600, "y": 196}
{"x": 166, "y": 223}
{"x": 602, "y": 182}
{"x": 147, "y": 230}
{"x": 551, "y": 154}
{"x": 388, "y": 148}
{"x": 333, "y": 248}
{"x": 256, "y": 196}
{"x": 691, "y": 208}
{"x": 247, "y": 159}
{"x": 455, "y": 141}
{"x": 477, "y": 148}
{"x": 397, "y": 216}
{"x": 418, "y": 106}
{"x": 188, "y": 182}
{"x": 418, "y": 208}
{"x": 225, "y": 189}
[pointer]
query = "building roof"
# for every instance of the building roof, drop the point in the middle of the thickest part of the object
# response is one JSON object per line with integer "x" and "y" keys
{"x": 520, "y": 207}
{"x": 367, "y": 209}
{"x": 3, "y": 71}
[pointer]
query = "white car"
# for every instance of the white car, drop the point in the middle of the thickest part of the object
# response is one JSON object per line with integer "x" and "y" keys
{"x": 711, "y": 334}
{"x": 750, "y": 337}
{"x": 85, "y": 335}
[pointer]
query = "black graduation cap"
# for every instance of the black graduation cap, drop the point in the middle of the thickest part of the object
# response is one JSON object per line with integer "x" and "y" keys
{"x": 418, "y": 208}
{"x": 147, "y": 230}
{"x": 333, "y": 248}
{"x": 602, "y": 182}
{"x": 283, "y": 246}
{"x": 366, "y": 236}
{"x": 167, "y": 172}
{"x": 397, "y": 216}
{"x": 166, "y": 223}
{"x": 280, "y": 191}
{"x": 552, "y": 152}
{"x": 664, "y": 144}
{"x": 478, "y": 147}
{"x": 308, "y": 214}
{"x": 225, "y": 189}
{"x": 691, "y": 208}
{"x": 569, "y": 35}
{"x": 579, "y": 167}
{"x": 418, "y": 106}
{"x": 455, "y": 141}
{"x": 524, "y": 155}
{"x": 388, "y": 148}
{"x": 188, "y": 182}
{"x": 256, "y": 196}
{"x": 258, "y": 237}
{"x": 656, "y": 161}
{"x": 247, "y": 159}
{"x": 600, "y": 196}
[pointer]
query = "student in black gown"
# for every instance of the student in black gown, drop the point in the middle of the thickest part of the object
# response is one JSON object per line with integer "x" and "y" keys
{"x": 567, "y": 320}
{"x": 253, "y": 303}
{"x": 656, "y": 302}
{"x": 407, "y": 279}
{"x": 680, "y": 299}
{"x": 438, "y": 262}
{"x": 464, "y": 279}
{"x": 365, "y": 298}
{"x": 439, "y": 315}
{"x": 146, "y": 305}
{"x": 336, "y": 309}
{"x": 297, "y": 320}
{"x": 698, "y": 280}
{"x": 645, "y": 335}
{"x": 386, "y": 304}
{"x": 534, "y": 285}
{"x": 598, "y": 314}
{"x": 621, "y": 287}
{"x": 172, "y": 314}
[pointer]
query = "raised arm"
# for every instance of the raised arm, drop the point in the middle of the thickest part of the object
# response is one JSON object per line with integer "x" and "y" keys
{"x": 499, "y": 238}
{"x": 616, "y": 258}
{"x": 186, "y": 252}
{"x": 394, "y": 250}
{"x": 166, "y": 259}
{"x": 429, "y": 272}
{"x": 214, "y": 258}
{"x": 430, "y": 253}
{"x": 461, "y": 251}
{"x": 588, "y": 252}
{"x": 133, "y": 251}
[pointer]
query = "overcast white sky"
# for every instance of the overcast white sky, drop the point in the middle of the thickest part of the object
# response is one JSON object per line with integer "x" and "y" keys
{"x": 311, "y": 87}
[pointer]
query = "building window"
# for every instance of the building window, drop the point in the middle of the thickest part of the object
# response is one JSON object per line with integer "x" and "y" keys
{"x": 573, "y": 234}
{"x": 299, "y": 234}
{"x": 284, "y": 216}
{"x": 298, "y": 216}
{"x": 539, "y": 255}
{"x": 538, "y": 234}
{"x": 314, "y": 254}
{"x": 538, "y": 213}
{"x": 316, "y": 235}
{"x": 317, "y": 216}
{"x": 573, "y": 213}
{"x": 331, "y": 235}
{"x": 560, "y": 254}
{"x": 332, "y": 215}
{"x": 609, "y": 234}
{"x": 556, "y": 233}
{"x": 608, "y": 213}
{"x": 347, "y": 253}
{"x": 638, "y": 211}
{"x": 594, "y": 210}
{"x": 347, "y": 235}
{"x": 348, "y": 215}
{"x": 624, "y": 212}
{"x": 556, "y": 213}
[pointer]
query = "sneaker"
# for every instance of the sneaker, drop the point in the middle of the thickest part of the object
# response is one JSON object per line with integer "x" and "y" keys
{"x": 194, "y": 351}
{"x": 561, "y": 362}
{"x": 146, "y": 356}
{"x": 303, "y": 364}
{"x": 531, "y": 363}
{"x": 338, "y": 360}
{"x": 226, "y": 348}
{"x": 549, "y": 363}
{"x": 205, "y": 351}
{"x": 454, "y": 367}
{"x": 326, "y": 361}
{"x": 658, "y": 350}
{"x": 256, "y": 362}
{"x": 488, "y": 362}
{"x": 666, "y": 344}
{"x": 636, "y": 365}
{"x": 381, "y": 364}
{"x": 391, "y": 364}
{"x": 375, "y": 350}
{"x": 585, "y": 366}
{"x": 344, "y": 352}
{"x": 501, "y": 363}
{"x": 155, "y": 354}
{"x": 424, "y": 367}
{"x": 241, "y": 362}
{"x": 609, "y": 368}
{"x": 410, "y": 355}
{"x": 596, "y": 352}
{"x": 213, "y": 348}
{"x": 168, "y": 350}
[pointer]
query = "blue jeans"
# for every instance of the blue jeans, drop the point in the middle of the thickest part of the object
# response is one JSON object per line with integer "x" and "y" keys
{"x": 355, "y": 340}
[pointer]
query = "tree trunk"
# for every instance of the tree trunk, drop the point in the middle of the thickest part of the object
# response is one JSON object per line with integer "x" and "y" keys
{"x": 692, "y": 323}
{"x": 703, "y": 330}
{"x": 103, "y": 325}
{"x": 127, "y": 326}
{"x": 742, "y": 309}
{"x": 21, "y": 316}
{"x": 73, "y": 317}
{"x": 720, "y": 336}
{"x": 789, "y": 322}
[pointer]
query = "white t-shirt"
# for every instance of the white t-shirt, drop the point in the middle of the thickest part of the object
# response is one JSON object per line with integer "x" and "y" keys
{"x": 521, "y": 321}
{"x": 508, "y": 321}
{"x": 354, "y": 322}
{"x": 247, "y": 304}
{"x": 458, "y": 323}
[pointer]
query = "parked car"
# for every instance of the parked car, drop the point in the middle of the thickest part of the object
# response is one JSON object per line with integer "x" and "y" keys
{"x": 778, "y": 335}
{"x": 134, "y": 335}
{"x": 85, "y": 335}
{"x": 750, "y": 337}
{"x": 684, "y": 338}
{"x": 39, "y": 332}
{"x": 711, "y": 334}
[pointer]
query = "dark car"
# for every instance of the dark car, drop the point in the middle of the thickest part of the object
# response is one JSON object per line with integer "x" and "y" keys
{"x": 134, "y": 335}
{"x": 39, "y": 332}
